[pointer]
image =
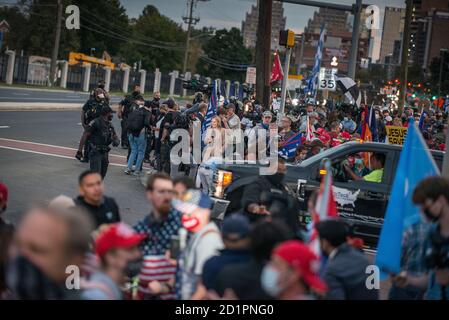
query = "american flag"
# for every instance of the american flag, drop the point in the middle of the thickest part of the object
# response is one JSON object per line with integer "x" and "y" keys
{"x": 211, "y": 110}
{"x": 289, "y": 148}
{"x": 156, "y": 268}
{"x": 316, "y": 68}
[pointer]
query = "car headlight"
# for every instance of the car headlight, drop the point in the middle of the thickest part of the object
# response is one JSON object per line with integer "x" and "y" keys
{"x": 223, "y": 179}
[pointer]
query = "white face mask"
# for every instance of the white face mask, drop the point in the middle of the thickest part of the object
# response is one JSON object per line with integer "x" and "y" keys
{"x": 101, "y": 96}
{"x": 269, "y": 281}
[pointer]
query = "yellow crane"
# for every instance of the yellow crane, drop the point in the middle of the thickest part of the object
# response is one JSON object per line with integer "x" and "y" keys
{"x": 76, "y": 58}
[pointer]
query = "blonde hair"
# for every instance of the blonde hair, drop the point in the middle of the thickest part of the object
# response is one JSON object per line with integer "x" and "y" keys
{"x": 218, "y": 121}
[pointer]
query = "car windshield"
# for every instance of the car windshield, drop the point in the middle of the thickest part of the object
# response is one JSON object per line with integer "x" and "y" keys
{"x": 324, "y": 154}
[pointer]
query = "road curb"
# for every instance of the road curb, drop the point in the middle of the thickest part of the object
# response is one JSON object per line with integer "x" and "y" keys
{"x": 42, "y": 106}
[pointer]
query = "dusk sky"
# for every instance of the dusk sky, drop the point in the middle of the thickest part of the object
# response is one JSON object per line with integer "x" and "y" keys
{"x": 230, "y": 13}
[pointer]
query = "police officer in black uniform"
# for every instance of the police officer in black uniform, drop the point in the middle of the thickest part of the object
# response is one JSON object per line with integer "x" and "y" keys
{"x": 90, "y": 111}
{"x": 125, "y": 108}
{"x": 101, "y": 134}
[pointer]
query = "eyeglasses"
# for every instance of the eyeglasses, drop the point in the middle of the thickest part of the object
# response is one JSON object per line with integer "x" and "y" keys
{"x": 164, "y": 191}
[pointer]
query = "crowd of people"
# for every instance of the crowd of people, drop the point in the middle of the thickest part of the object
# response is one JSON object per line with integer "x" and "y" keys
{"x": 79, "y": 248}
{"x": 179, "y": 250}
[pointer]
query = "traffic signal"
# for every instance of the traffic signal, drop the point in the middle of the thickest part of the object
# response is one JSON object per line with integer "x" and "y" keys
{"x": 434, "y": 97}
{"x": 414, "y": 95}
{"x": 287, "y": 38}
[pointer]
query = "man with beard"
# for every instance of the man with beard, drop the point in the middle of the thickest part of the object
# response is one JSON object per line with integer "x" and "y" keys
{"x": 117, "y": 247}
{"x": 159, "y": 225}
{"x": 47, "y": 241}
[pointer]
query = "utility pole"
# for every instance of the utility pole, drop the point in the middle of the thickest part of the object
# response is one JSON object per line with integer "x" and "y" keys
{"x": 54, "y": 56}
{"x": 190, "y": 20}
{"x": 440, "y": 80}
{"x": 405, "y": 54}
{"x": 355, "y": 39}
{"x": 263, "y": 52}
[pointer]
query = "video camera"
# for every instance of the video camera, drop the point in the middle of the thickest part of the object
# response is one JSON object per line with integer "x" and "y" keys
{"x": 197, "y": 86}
{"x": 248, "y": 89}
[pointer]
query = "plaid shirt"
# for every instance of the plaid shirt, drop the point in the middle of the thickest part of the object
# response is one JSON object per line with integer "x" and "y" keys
{"x": 158, "y": 233}
{"x": 413, "y": 247}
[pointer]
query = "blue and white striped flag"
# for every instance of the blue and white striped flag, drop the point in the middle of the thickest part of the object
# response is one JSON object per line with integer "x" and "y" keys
{"x": 211, "y": 111}
{"x": 289, "y": 148}
{"x": 312, "y": 87}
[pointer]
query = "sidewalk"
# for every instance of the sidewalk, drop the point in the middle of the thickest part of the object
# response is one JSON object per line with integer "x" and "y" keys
{"x": 43, "y": 106}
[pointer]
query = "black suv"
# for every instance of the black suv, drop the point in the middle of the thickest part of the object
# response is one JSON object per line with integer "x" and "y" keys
{"x": 362, "y": 204}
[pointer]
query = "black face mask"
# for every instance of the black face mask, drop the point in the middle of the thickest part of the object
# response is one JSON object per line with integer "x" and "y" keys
{"x": 27, "y": 282}
{"x": 110, "y": 118}
{"x": 276, "y": 178}
{"x": 133, "y": 267}
{"x": 101, "y": 86}
{"x": 429, "y": 215}
{"x": 157, "y": 99}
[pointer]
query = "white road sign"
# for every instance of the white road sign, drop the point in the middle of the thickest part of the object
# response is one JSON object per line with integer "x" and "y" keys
{"x": 326, "y": 79}
{"x": 251, "y": 75}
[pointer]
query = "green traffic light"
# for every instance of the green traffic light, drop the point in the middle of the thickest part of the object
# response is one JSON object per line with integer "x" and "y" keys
{"x": 434, "y": 98}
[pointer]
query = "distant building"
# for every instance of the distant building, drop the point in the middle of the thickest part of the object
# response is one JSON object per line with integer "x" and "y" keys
{"x": 429, "y": 27}
{"x": 337, "y": 41}
{"x": 392, "y": 31}
{"x": 249, "y": 25}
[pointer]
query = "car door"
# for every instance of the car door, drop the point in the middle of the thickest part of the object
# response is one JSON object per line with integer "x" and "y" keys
{"x": 362, "y": 204}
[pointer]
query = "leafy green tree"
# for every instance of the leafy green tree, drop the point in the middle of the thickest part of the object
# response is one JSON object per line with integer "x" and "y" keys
{"x": 157, "y": 41}
{"x": 225, "y": 56}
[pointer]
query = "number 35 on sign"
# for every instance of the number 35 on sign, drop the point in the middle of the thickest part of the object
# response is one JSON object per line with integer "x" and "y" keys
{"x": 326, "y": 80}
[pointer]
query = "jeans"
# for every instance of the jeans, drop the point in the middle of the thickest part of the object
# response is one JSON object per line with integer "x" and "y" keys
{"x": 138, "y": 145}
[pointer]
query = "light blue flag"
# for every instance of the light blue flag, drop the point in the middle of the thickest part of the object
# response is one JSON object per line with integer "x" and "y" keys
{"x": 415, "y": 164}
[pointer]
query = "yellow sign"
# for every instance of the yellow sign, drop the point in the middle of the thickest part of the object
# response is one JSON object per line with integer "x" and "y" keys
{"x": 396, "y": 135}
{"x": 295, "y": 77}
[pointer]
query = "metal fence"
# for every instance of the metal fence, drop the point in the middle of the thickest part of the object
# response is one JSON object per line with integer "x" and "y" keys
{"x": 96, "y": 74}
{"x": 3, "y": 66}
{"x": 38, "y": 74}
{"x": 75, "y": 78}
{"x": 20, "y": 70}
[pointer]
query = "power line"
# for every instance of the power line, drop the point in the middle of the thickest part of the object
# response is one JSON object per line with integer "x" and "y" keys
{"x": 124, "y": 37}
{"x": 113, "y": 26}
{"x": 131, "y": 40}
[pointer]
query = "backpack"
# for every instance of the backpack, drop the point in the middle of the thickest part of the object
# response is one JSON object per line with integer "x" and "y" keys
{"x": 136, "y": 121}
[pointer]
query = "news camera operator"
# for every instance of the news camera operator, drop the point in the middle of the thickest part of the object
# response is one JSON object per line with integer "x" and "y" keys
{"x": 432, "y": 195}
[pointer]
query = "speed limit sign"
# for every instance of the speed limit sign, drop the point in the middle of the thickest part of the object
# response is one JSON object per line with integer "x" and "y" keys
{"x": 326, "y": 80}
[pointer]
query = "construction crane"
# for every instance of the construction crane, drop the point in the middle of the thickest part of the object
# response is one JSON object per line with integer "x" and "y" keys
{"x": 77, "y": 58}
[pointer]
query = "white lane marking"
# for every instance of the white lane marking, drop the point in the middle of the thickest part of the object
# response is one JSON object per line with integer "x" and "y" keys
{"x": 54, "y": 155}
{"x": 78, "y": 124}
{"x": 20, "y": 94}
{"x": 5, "y": 127}
{"x": 43, "y": 99}
{"x": 52, "y": 145}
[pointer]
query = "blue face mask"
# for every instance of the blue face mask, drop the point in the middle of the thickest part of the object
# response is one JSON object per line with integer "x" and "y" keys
{"x": 265, "y": 126}
{"x": 269, "y": 281}
{"x": 358, "y": 162}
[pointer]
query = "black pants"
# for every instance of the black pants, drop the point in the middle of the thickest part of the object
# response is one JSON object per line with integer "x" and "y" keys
{"x": 165, "y": 156}
{"x": 99, "y": 162}
{"x": 124, "y": 137}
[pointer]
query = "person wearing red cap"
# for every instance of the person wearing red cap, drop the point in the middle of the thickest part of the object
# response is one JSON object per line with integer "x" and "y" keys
{"x": 117, "y": 246}
{"x": 292, "y": 273}
{"x": 6, "y": 235}
{"x": 3, "y": 197}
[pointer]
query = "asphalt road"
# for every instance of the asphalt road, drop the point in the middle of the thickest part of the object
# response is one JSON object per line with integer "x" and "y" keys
{"x": 25, "y": 95}
{"x": 34, "y": 177}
